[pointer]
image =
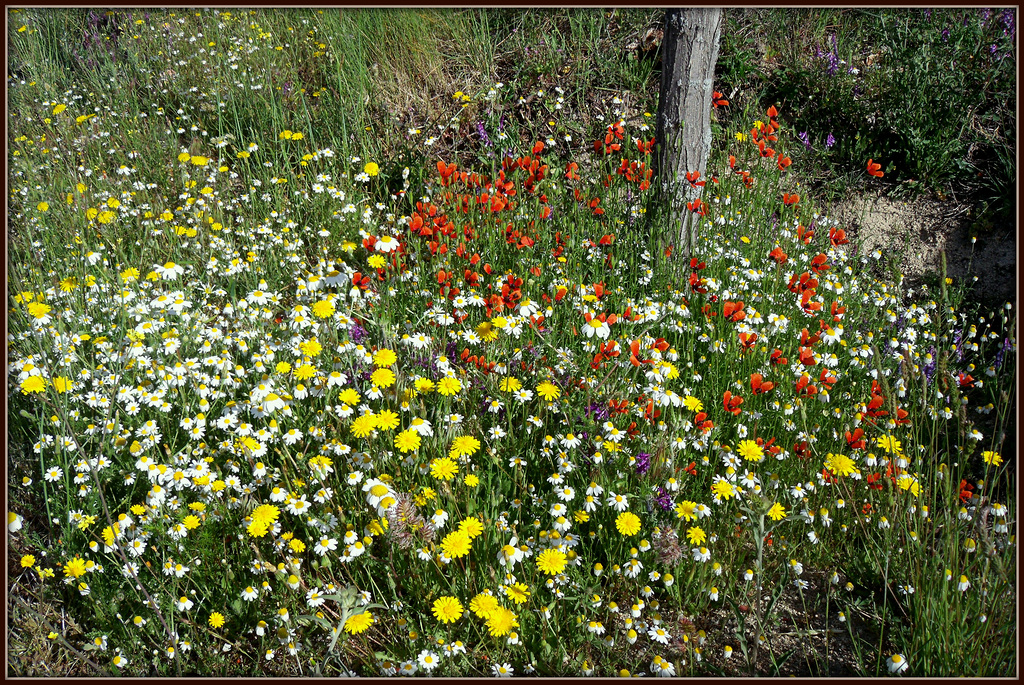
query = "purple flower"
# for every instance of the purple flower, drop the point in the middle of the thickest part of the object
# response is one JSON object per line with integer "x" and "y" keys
{"x": 945, "y": 35}
{"x": 805, "y": 138}
{"x": 643, "y": 462}
{"x": 830, "y": 141}
{"x": 357, "y": 333}
{"x": 664, "y": 499}
{"x": 482, "y": 133}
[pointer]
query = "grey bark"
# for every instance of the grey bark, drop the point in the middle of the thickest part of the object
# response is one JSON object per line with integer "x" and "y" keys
{"x": 690, "y": 51}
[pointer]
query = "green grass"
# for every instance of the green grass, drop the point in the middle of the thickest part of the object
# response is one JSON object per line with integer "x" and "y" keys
{"x": 185, "y": 238}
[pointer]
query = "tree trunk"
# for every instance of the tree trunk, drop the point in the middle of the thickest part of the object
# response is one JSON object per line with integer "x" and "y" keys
{"x": 690, "y": 51}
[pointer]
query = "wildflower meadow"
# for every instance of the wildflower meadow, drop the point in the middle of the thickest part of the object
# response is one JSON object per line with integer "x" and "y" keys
{"x": 297, "y": 389}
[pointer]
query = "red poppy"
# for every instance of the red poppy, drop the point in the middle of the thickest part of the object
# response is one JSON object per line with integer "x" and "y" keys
{"x": 731, "y": 403}
{"x": 718, "y": 100}
{"x": 788, "y": 199}
{"x": 778, "y": 255}
{"x": 837, "y": 236}
{"x": 777, "y": 359}
{"x": 875, "y": 169}
{"x": 804, "y": 235}
{"x": 759, "y": 386}
{"x": 748, "y": 340}
{"x": 691, "y": 178}
{"x": 733, "y": 311}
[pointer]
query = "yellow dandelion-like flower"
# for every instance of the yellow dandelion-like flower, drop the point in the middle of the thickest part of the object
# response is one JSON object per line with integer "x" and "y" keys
{"x": 383, "y": 378}
{"x": 501, "y": 621}
{"x": 549, "y": 391}
{"x": 449, "y": 386}
{"x": 387, "y": 420}
{"x": 483, "y": 604}
{"x": 840, "y": 464}
{"x": 472, "y": 527}
{"x": 363, "y": 425}
{"x": 443, "y": 468}
{"x": 724, "y": 489}
{"x": 456, "y": 544}
{"x": 323, "y": 309}
{"x": 33, "y": 384}
{"x": 464, "y": 445}
{"x": 384, "y": 357}
{"x": 448, "y": 609}
{"x": 510, "y": 384}
{"x": 750, "y": 450}
{"x": 263, "y": 517}
{"x": 687, "y": 510}
{"x": 407, "y": 441}
{"x": 216, "y": 619}
{"x": 991, "y": 458}
{"x": 777, "y": 512}
{"x": 423, "y": 385}
{"x": 627, "y": 523}
{"x": 890, "y": 444}
{"x": 359, "y": 623}
{"x": 551, "y": 561}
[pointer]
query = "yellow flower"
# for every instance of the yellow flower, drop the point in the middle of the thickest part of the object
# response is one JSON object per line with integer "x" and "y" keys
{"x": 323, "y": 309}
{"x": 991, "y": 458}
{"x": 311, "y": 348}
{"x": 548, "y": 391}
{"x": 377, "y": 261}
{"x": 777, "y": 512}
{"x": 840, "y": 464}
{"x": 383, "y": 378}
{"x": 33, "y": 384}
{"x": 483, "y": 604}
{"x": 471, "y": 480}
{"x": 384, "y": 357}
{"x": 472, "y": 527}
{"x": 263, "y": 517}
{"x": 61, "y": 384}
{"x": 487, "y": 331}
{"x": 423, "y": 385}
{"x": 890, "y": 444}
{"x": 443, "y": 468}
{"x": 28, "y": 561}
{"x": 518, "y": 593}
{"x": 456, "y": 544}
{"x": 191, "y": 522}
{"x": 724, "y": 489}
{"x": 464, "y": 445}
{"x": 628, "y": 523}
{"x": 750, "y": 450}
{"x": 510, "y": 384}
{"x": 216, "y": 619}
{"x": 407, "y": 441}
{"x": 43, "y": 206}
{"x": 75, "y": 568}
{"x": 696, "y": 535}
{"x": 686, "y": 510}
{"x": 551, "y": 561}
{"x": 359, "y": 623}
{"x": 304, "y": 372}
{"x": 448, "y": 609}
{"x": 501, "y": 621}
{"x": 387, "y": 420}
{"x": 449, "y": 386}
{"x": 38, "y": 310}
{"x": 363, "y": 425}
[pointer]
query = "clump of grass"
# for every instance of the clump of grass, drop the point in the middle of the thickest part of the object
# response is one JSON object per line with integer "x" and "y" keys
{"x": 293, "y": 406}
{"x": 929, "y": 94}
